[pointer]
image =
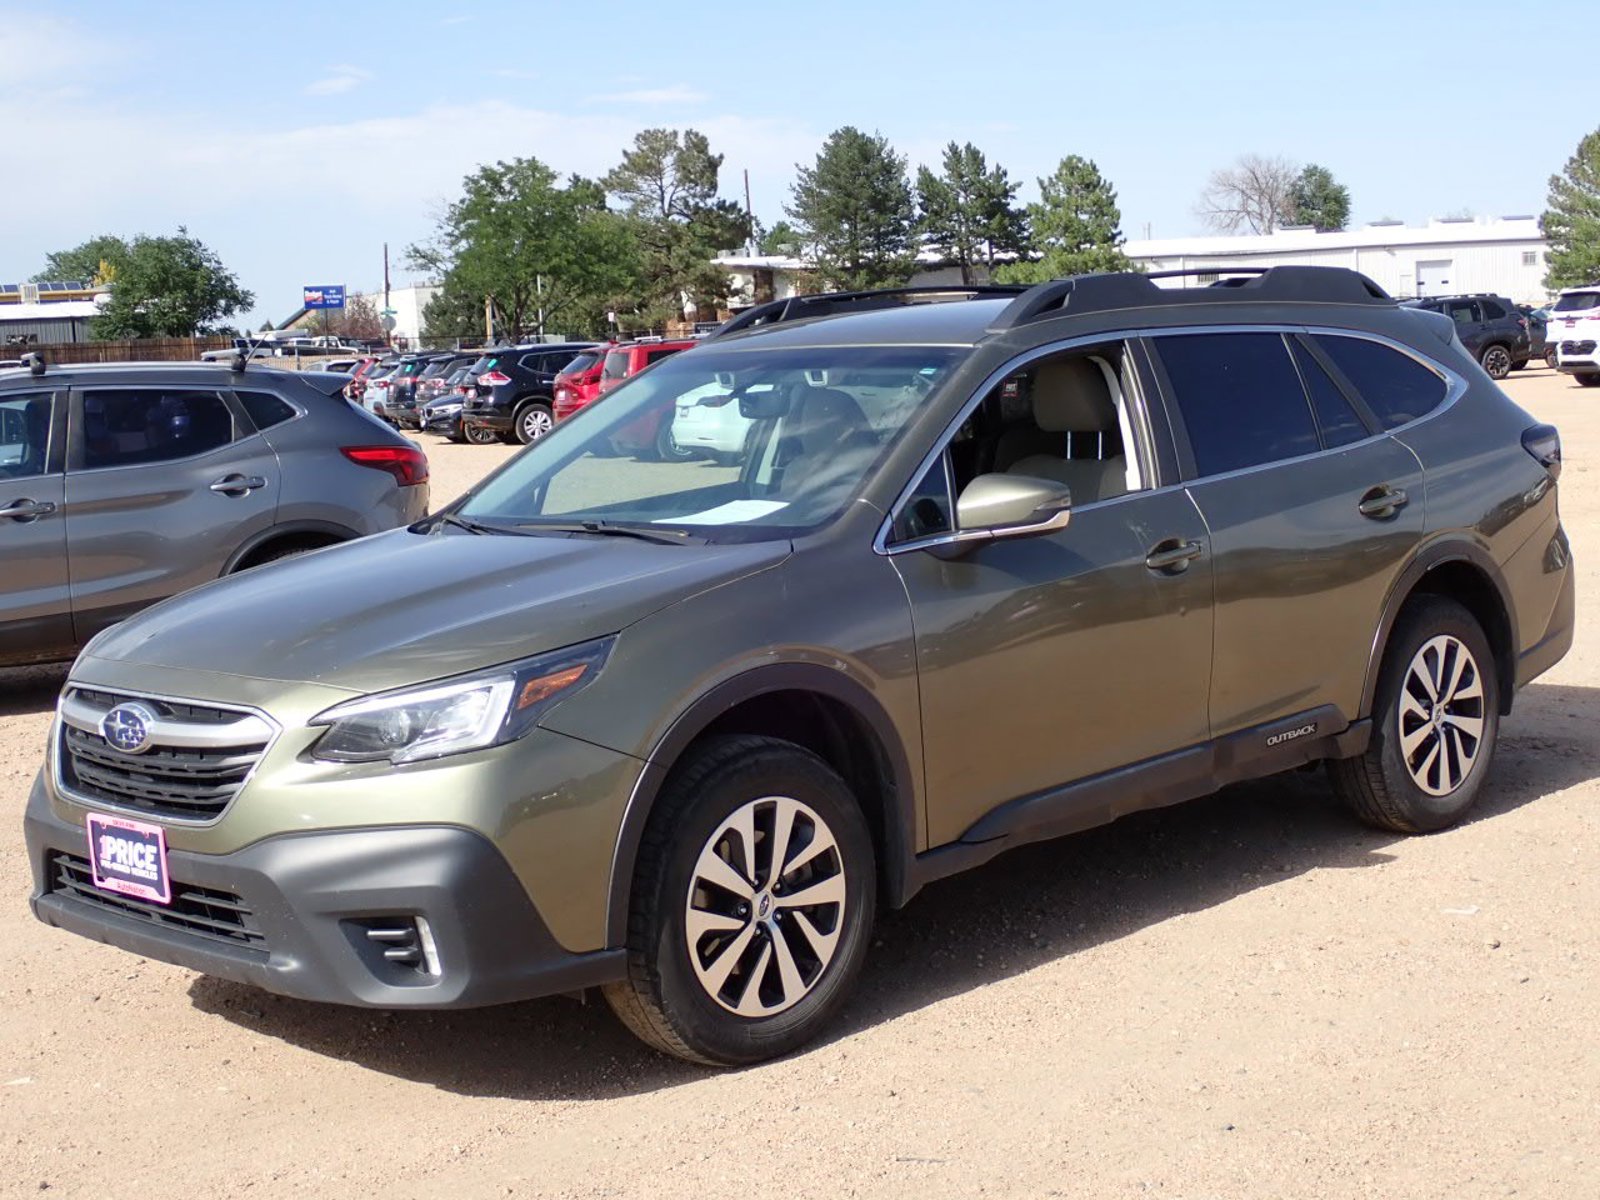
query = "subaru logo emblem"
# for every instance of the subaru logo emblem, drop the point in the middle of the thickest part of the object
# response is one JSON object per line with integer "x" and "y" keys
{"x": 127, "y": 728}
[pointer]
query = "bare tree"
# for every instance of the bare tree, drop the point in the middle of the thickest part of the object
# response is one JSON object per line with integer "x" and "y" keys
{"x": 1253, "y": 194}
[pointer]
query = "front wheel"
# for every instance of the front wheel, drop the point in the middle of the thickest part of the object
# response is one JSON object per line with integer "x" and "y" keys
{"x": 479, "y": 435}
{"x": 1435, "y": 720}
{"x": 667, "y": 448}
{"x": 534, "y": 420}
{"x": 1550, "y": 359}
{"x": 752, "y": 904}
{"x": 1496, "y": 361}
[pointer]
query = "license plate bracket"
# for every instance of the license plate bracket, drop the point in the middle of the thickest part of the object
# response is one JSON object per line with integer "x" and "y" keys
{"x": 129, "y": 858}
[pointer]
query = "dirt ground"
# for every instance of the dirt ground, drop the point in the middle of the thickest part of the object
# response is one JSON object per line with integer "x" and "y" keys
{"x": 1248, "y": 996}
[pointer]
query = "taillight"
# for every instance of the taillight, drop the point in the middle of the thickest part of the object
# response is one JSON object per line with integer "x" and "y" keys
{"x": 407, "y": 464}
{"x": 494, "y": 378}
{"x": 380, "y": 383}
{"x": 1544, "y": 443}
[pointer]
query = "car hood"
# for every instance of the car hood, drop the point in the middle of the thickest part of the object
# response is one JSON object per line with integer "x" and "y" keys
{"x": 402, "y": 608}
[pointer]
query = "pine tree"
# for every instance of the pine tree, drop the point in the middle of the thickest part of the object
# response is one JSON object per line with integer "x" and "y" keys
{"x": 1076, "y": 226}
{"x": 854, "y": 207}
{"x": 1317, "y": 199}
{"x": 967, "y": 212}
{"x": 1572, "y": 222}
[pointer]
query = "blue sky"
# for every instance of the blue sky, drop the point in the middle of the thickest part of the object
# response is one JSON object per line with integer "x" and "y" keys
{"x": 296, "y": 141}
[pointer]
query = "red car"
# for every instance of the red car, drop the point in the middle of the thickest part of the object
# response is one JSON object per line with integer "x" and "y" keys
{"x": 579, "y": 385}
{"x": 651, "y": 435}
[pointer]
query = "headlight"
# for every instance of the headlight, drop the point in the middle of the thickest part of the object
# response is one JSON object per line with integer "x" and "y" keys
{"x": 486, "y": 709}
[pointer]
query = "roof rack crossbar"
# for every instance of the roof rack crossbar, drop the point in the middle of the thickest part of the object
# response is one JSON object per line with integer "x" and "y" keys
{"x": 822, "y": 304}
{"x": 1127, "y": 289}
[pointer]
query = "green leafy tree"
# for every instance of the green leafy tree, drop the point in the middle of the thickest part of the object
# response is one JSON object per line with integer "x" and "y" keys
{"x": 782, "y": 238}
{"x": 1317, "y": 199}
{"x": 169, "y": 287}
{"x": 539, "y": 251}
{"x": 1076, "y": 225}
{"x": 967, "y": 213}
{"x": 668, "y": 182}
{"x": 854, "y": 207}
{"x": 96, "y": 260}
{"x": 1571, "y": 223}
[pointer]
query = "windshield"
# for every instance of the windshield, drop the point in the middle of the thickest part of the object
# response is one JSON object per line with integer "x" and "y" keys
{"x": 580, "y": 364}
{"x": 1574, "y": 301}
{"x": 728, "y": 445}
{"x": 616, "y": 364}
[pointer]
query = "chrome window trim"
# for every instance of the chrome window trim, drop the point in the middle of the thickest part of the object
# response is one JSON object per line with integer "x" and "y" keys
{"x": 1455, "y": 388}
{"x": 94, "y": 804}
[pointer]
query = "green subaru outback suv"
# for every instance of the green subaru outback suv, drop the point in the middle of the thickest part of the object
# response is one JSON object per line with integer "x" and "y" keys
{"x": 984, "y": 572}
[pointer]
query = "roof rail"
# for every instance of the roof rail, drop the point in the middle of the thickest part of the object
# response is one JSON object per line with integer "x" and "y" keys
{"x": 1128, "y": 289}
{"x": 824, "y": 304}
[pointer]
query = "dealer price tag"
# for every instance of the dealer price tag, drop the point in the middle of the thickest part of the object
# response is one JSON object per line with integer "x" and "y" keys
{"x": 129, "y": 857}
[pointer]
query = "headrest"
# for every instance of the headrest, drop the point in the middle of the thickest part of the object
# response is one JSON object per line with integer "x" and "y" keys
{"x": 1070, "y": 396}
{"x": 827, "y": 418}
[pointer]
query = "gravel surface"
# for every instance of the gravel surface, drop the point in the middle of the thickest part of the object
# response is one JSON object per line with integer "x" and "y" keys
{"x": 1247, "y": 996}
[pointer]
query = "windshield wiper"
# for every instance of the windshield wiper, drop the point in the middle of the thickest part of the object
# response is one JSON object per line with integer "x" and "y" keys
{"x": 466, "y": 523}
{"x": 667, "y": 537}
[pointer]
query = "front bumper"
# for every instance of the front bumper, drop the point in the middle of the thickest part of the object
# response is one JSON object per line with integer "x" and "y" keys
{"x": 310, "y": 899}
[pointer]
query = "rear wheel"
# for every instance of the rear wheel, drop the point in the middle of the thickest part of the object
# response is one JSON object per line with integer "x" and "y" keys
{"x": 1588, "y": 380}
{"x": 667, "y": 448}
{"x": 1435, "y": 720}
{"x": 533, "y": 421}
{"x": 752, "y": 905}
{"x": 1550, "y": 358}
{"x": 1496, "y": 361}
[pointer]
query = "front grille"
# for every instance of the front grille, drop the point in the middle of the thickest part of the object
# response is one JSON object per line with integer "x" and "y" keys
{"x": 204, "y": 912}
{"x": 191, "y": 777}
{"x": 1577, "y": 347}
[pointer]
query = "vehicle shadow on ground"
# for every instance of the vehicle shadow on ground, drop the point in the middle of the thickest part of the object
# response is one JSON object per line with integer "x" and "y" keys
{"x": 26, "y": 690}
{"x": 1029, "y": 907}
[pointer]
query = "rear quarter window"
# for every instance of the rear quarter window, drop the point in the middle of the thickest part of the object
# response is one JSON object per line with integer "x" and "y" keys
{"x": 1396, "y": 387}
{"x": 265, "y": 409}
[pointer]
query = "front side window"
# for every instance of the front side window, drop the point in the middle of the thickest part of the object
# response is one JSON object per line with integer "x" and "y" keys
{"x": 792, "y": 437}
{"x": 148, "y": 425}
{"x": 1240, "y": 398}
{"x": 24, "y": 435}
{"x": 616, "y": 365}
{"x": 1396, "y": 387}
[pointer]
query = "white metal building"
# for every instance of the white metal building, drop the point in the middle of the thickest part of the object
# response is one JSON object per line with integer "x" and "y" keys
{"x": 408, "y": 302}
{"x": 1446, "y": 256}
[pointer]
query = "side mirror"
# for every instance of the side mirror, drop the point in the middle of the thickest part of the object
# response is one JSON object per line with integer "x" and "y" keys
{"x": 1005, "y": 506}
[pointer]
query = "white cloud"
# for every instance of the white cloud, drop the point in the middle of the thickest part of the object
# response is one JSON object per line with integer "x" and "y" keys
{"x": 678, "y": 93}
{"x": 342, "y": 78}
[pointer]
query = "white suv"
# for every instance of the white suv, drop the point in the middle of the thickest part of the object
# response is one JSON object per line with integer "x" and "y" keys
{"x": 1574, "y": 331}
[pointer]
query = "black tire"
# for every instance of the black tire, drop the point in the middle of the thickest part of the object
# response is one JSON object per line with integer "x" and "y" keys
{"x": 533, "y": 420}
{"x": 277, "y": 554}
{"x": 1550, "y": 358}
{"x": 1378, "y": 785}
{"x": 1591, "y": 380}
{"x": 663, "y": 1000}
{"x": 479, "y": 435}
{"x": 1496, "y": 360}
{"x": 667, "y": 448}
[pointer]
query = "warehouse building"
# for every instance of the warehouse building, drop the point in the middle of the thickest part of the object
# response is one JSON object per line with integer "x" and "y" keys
{"x": 41, "y": 313}
{"x": 1447, "y": 256}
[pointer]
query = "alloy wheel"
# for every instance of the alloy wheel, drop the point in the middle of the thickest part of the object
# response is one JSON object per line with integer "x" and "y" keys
{"x": 535, "y": 423}
{"x": 1441, "y": 715}
{"x": 1497, "y": 362}
{"x": 766, "y": 907}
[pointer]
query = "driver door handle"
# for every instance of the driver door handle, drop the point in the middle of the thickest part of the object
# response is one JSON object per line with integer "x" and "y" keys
{"x": 27, "y": 510}
{"x": 238, "y": 485}
{"x": 1172, "y": 556}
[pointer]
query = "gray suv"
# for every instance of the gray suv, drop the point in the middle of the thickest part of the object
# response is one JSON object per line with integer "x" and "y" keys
{"x": 984, "y": 572}
{"x": 123, "y": 484}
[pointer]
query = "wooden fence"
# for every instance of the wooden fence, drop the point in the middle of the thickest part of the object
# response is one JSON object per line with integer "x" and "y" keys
{"x": 180, "y": 349}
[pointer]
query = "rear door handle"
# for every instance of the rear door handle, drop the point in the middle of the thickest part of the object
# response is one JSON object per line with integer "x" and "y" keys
{"x": 238, "y": 485}
{"x": 27, "y": 510}
{"x": 1383, "y": 502}
{"x": 1171, "y": 557}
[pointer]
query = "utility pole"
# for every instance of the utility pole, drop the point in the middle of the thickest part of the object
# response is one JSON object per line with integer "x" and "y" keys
{"x": 386, "y": 275}
{"x": 488, "y": 320}
{"x": 750, "y": 241}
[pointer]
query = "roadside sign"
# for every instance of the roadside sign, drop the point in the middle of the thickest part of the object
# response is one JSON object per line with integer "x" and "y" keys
{"x": 331, "y": 296}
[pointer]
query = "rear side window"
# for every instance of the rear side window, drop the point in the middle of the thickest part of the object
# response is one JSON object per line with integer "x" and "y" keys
{"x": 1462, "y": 312}
{"x": 1240, "y": 398}
{"x": 651, "y": 356}
{"x": 1339, "y": 423}
{"x": 1492, "y": 311}
{"x": 1396, "y": 387}
{"x": 147, "y": 425}
{"x": 265, "y": 409}
{"x": 579, "y": 365}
